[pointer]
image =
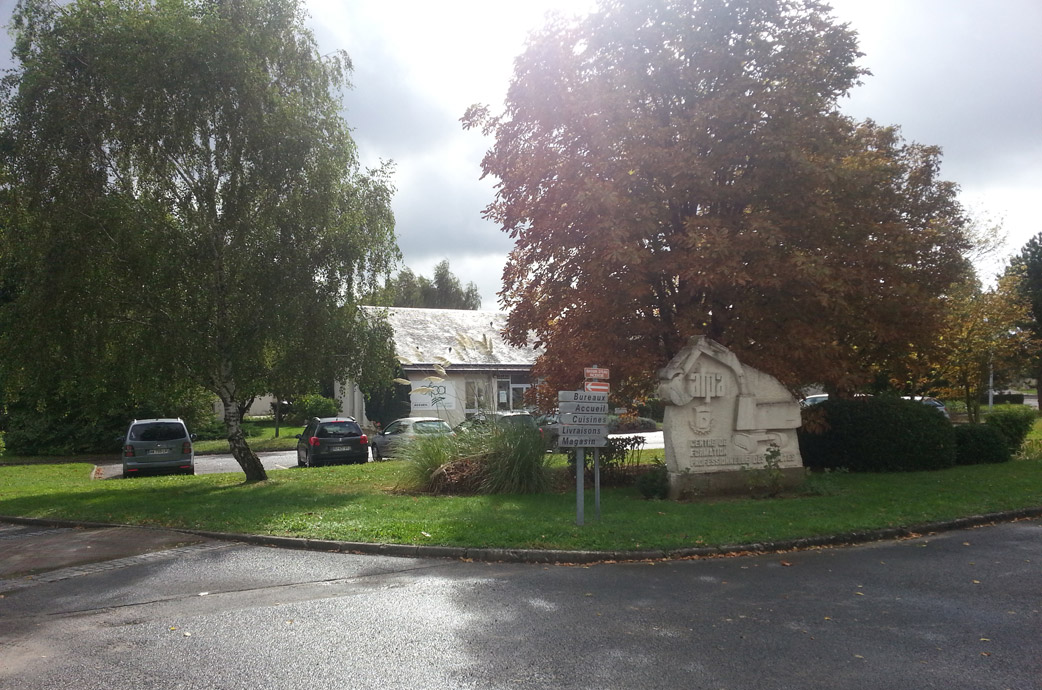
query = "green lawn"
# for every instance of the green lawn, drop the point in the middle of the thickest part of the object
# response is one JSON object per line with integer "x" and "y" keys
{"x": 261, "y": 438}
{"x": 359, "y": 503}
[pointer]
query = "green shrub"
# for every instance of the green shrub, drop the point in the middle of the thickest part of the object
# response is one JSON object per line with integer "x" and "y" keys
{"x": 307, "y": 406}
{"x": 977, "y": 444}
{"x": 655, "y": 482}
{"x": 88, "y": 426}
{"x": 618, "y": 459}
{"x": 653, "y": 408}
{"x": 1014, "y": 422}
{"x": 212, "y": 429}
{"x": 876, "y": 434}
{"x": 630, "y": 425}
{"x": 1003, "y": 399}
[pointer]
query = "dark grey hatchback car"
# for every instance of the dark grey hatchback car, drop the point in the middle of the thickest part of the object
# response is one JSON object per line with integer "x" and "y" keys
{"x": 329, "y": 440}
{"x": 158, "y": 445}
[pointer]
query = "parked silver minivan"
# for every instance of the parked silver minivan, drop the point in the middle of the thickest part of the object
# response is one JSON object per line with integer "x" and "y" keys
{"x": 158, "y": 445}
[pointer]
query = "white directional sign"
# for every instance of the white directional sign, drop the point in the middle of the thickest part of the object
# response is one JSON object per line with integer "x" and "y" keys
{"x": 582, "y": 396}
{"x": 578, "y": 418}
{"x": 576, "y": 430}
{"x": 583, "y": 408}
{"x": 582, "y": 442}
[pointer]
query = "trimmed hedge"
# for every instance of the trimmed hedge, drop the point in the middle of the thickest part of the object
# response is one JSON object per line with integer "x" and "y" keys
{"x": 630, "y": 425}
{"x": 1003, "y": 399}
{"x": 978, "y": 444}
{"x": 876, "y": 434}
{"x": 1014, "y": 422}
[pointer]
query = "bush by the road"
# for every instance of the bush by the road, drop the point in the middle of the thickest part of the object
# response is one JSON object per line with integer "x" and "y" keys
{"x": 626, "y": 424}
{"x": 977, "y": 444}
{"x": 1014, "y": 422}
{"x": 876, "y": 434}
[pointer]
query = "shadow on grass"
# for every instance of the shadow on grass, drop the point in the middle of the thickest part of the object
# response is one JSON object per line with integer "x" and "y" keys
{"x": 213, "y": 502}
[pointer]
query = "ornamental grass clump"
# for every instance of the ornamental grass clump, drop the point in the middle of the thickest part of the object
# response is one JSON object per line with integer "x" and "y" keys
{"x": 516, "y": 462}
{"x": 486, "y": 460}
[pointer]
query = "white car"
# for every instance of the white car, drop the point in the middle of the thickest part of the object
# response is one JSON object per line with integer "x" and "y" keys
{"x": 386, "y": 443}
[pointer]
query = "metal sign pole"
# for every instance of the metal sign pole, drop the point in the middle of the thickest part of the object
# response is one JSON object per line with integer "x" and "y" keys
{"x": 597, "y": 482}
{"x": 580, "y": 462}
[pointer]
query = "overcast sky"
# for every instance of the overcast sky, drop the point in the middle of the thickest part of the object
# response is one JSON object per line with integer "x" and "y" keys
{"x": 963, "y": 74}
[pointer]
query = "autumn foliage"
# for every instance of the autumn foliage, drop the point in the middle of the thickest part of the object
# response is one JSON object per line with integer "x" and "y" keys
{"x": 670, "y": 168}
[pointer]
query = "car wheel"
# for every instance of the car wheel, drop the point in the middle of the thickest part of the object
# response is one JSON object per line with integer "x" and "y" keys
{"x": 190, "y": 471}
{"x": 300, "y": 461}
{"x": 376, "y": 454}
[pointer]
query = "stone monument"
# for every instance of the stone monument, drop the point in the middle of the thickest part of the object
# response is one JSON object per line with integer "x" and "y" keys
{"x": 721, "y": 418}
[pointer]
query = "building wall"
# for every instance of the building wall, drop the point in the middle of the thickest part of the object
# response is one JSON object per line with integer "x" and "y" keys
{"x": 459, "y": 395}
{"x": 454, "y": 397}
{"x": 352, "y": 402}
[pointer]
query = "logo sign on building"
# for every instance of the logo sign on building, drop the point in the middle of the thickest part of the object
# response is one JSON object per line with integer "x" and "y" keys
{"x": 430, "y": 395}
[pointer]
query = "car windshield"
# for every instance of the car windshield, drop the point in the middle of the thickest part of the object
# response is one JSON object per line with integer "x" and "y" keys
{"x": 431, "y": 427}
{"x": 328, "y": 429}
{"x": 157, "y": 431}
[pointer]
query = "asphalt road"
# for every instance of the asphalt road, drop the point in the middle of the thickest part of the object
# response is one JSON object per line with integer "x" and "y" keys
{"x": 953, "y": 610}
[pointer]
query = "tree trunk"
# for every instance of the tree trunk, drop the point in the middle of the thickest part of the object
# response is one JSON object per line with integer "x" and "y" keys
{"x": 241, "y": 451}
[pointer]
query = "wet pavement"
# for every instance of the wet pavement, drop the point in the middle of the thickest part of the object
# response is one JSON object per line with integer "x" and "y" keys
{"x": 958, "y": 610}
{"x": 28, "y": 550}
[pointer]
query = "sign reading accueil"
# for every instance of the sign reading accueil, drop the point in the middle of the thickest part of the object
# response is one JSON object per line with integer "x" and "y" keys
{"x": 582, "y": 408}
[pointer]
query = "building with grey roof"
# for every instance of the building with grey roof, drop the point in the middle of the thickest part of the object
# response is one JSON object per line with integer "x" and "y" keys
{"x": 456, "y": 361}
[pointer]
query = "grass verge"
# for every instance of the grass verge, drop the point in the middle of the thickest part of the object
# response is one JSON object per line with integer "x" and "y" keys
{"x": 261, "y": 438}
{"x": 359, "y": 503}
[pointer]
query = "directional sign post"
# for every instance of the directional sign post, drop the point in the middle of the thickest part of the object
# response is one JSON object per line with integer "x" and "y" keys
{"x": 583, "y": 416}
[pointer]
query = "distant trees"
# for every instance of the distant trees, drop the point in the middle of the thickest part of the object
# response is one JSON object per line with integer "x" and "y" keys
{"x": 670, "y": 168}
{"x": 1027, "y": 267}
{"x": 186, "y": 206}
{"x": 443, "y": 291}
{"x": 983, "y": 333}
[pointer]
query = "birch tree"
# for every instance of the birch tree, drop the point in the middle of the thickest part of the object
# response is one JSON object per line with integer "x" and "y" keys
{"x": 182, "y": 178}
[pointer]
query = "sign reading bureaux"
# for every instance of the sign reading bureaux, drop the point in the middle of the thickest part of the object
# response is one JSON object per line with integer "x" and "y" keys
{"x": 583, "y": 419}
